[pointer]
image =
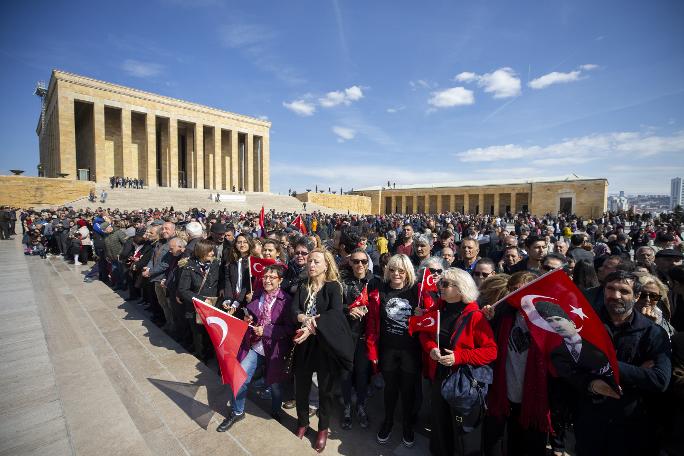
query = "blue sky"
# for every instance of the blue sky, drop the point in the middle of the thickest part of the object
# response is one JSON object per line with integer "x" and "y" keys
{"x": 360, "y": 92}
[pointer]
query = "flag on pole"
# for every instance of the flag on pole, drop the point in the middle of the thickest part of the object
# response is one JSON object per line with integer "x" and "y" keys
{"x": 427, "y": 292}
{"x": 258, "y": 265}
{"x": 299, "y": 224}
{"x": 361, "y": 300}
{"x": 428, "y": 322}
{"x": 226, "y": 333}
{"x": 565, "y": 327}
{"x": 262, "y": 216}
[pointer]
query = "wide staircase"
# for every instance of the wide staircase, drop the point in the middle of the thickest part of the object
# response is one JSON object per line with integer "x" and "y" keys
{"x": 186, "y": 198}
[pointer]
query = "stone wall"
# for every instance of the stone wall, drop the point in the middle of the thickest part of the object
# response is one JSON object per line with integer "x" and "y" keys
{"x": 341, "y": 203}
{"x": 24, "y": 192}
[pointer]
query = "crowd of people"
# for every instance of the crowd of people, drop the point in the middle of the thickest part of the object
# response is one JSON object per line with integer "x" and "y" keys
{"x": 126, "y": 182}
{"x": 337, "y": 299}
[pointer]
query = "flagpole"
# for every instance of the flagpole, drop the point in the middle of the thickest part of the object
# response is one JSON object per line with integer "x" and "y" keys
{"x": 526, "y": 285}
{"x": 438, "y": 324}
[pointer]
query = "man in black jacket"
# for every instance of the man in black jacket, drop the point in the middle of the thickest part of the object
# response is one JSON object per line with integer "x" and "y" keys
{"x": 610, "y": 423}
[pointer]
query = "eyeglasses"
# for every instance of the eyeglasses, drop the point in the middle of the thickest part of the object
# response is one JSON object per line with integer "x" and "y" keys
{"x": 435, "y": 270}
{"x": 646, "y": 296}
{"x": 270, "y": 278}
{"x": 482, "y": 274}
{"x": 398, "y": 271}
{"x": 444, "y": 284}
{"x": 356, "y": 261}
{"x": 300, "y": 253}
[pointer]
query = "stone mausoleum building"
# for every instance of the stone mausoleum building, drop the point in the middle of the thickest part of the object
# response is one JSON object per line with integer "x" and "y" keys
{"x": 583, "y": 196}
{"x": 91, "y": 130}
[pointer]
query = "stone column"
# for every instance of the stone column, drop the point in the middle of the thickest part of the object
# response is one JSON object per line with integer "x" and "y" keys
{"x": 249, "y": 159}
{"x": 513, "y": 211}
{"x": 403, "y": 204}
{"x": 415, "y": 204}
{"x": 67, "y": 136}
{"x": 438, "y": 209}
{"x": 173, "y": 153}
{"x": 126, "y": 143}
{"x": 265, "y": 164}
{"x": 199, "y": 156}
{"x": 480, "y": 203}
{"x": 497, "y": 202}
{"x": 466, "y": 203}
{"x": 151, "y": 149}
{"x": 218, "y": 159}
{"x": 100, "y": 156}
{"x": 452, "y": 203}
{"x": 234, "y": 161}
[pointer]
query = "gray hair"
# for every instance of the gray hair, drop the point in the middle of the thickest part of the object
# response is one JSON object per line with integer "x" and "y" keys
{"x": 433, "y": 260}
{"x": 180, "y": 241}
{"x": 463, "y": 282}
{"x": 423, "y": 239}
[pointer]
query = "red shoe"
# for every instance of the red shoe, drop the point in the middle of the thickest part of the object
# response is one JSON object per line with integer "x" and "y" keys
{"x": 301, "y": 430}
{"x": 321, "y": 440}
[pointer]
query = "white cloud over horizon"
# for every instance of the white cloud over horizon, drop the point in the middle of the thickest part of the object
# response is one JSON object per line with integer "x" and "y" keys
{"x": 629, "y": 144}
{"x": 454, "y": 96}
{"x": 502, "y": 83}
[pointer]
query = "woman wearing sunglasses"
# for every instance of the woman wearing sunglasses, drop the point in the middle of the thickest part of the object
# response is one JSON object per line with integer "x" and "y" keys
{"x": 355, "y": 278}
{"x": 654, "y": 303}
{"x": 391, "y": 348}
{"x": 475, "y": 345}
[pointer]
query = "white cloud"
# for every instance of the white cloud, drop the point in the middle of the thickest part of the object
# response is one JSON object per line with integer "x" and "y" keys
{"x": 422, "y": 84}
{"x": 344, "y": 133}
{"x": 396, "y": 110}
{"x": 629, "y": 145}
{"x": 557, "y": 77}
{"x": 503, "y": 83}
{"x": 455, "y": 96}
{"x": 301, "y": 107}
{"x": 338, "y": 97}
{"x": 554, "y": 77}
{"x": 142, "y": 69}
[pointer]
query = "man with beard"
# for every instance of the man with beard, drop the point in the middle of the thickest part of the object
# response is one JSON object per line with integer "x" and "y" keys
{"x": 610, "y": 423}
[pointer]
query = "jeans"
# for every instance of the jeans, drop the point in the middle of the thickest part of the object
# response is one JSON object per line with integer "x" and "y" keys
{"x": 250, "y": 364}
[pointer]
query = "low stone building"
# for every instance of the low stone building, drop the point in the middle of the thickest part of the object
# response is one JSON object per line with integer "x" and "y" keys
{"x": 583, "y": 196}
{"x": 92, "y": 130}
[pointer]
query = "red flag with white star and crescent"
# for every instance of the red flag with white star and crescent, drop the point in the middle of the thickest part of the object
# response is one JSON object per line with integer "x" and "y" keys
{"x": 299, "y": 224}
{"x": 226, "y": 333}
{"x": 361, "y": 300}
{"x": 427, "y": 293}
{"x": 428, "y": 322}
{"x": 565, "y": 327}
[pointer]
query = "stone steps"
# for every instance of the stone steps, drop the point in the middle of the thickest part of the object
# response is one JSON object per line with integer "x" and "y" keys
{"x": 184, "y": 199}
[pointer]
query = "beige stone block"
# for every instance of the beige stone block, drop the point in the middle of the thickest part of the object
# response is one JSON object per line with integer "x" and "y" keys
{"x": 199, "y": 156}
{"x": 151, "y": 149}
{"x": 234, "y": 160}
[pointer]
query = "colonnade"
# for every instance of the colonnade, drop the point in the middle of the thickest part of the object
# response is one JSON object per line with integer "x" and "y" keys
{"x": 485, "y": 201}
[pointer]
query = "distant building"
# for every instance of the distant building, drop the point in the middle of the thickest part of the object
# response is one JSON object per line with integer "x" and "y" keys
{"x": 618, "y": 203}
{"x": 676, "y": 192}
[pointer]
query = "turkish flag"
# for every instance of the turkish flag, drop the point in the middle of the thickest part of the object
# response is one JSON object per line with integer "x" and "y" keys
{"x": 226, "y": 333}
{"x": 257, "y": 266}
{"x": 299, "y": 224}
{"x": 428, "y": 322}
{"x": 565, "y": 327}
{"x": 427, "y": 293}
{"x": 262, "y": 216}
{"x": 361, "y": 300}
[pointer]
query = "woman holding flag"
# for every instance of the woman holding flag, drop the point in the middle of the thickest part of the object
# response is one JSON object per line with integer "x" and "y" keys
{"x": 324, "y": 341}
{"x": 355, "y": 278}
{"x": 237, "y": 289}
{"x": 463, "y": 336}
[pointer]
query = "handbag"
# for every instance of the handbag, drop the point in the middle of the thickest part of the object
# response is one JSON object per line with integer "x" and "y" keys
{"x": 466, "y": 388}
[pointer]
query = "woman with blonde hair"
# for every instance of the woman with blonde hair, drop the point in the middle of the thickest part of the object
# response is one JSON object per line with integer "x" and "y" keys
{"x": 492, "y": 289}
{"x": 324, "y": 342}
{"x": 391, "y": 348}
{"x": 654, "y": 302}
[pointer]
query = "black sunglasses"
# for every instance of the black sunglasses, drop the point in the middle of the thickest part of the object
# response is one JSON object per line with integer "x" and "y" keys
{"x": 435, "y": 270}
{"x": 355, "y": 261}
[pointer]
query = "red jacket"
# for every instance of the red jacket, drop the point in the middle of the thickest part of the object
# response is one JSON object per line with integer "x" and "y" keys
{"x": 373, "y": 324}
{"x": 475, "y": 346}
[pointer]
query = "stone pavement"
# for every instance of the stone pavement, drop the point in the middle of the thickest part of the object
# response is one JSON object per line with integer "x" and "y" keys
{"x": 85, "y": 372}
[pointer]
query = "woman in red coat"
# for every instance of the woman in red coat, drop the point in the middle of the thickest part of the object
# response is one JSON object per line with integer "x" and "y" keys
{"x": 475, "y": 346}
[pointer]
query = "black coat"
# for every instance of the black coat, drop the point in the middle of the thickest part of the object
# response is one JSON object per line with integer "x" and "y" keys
{"x": 229, "y": 281}
{"x": 190, "y": 283}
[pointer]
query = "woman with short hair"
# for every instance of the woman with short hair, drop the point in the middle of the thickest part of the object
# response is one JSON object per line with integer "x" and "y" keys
{"x": 473, "y": 345}
{"x": 391, "y": 348}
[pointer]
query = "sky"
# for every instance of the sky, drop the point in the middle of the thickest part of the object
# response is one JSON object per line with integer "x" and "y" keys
{"x": 360, "y": 93}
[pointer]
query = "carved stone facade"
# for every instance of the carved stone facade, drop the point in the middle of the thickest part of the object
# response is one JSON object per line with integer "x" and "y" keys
{"x": 93, "y": 130}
